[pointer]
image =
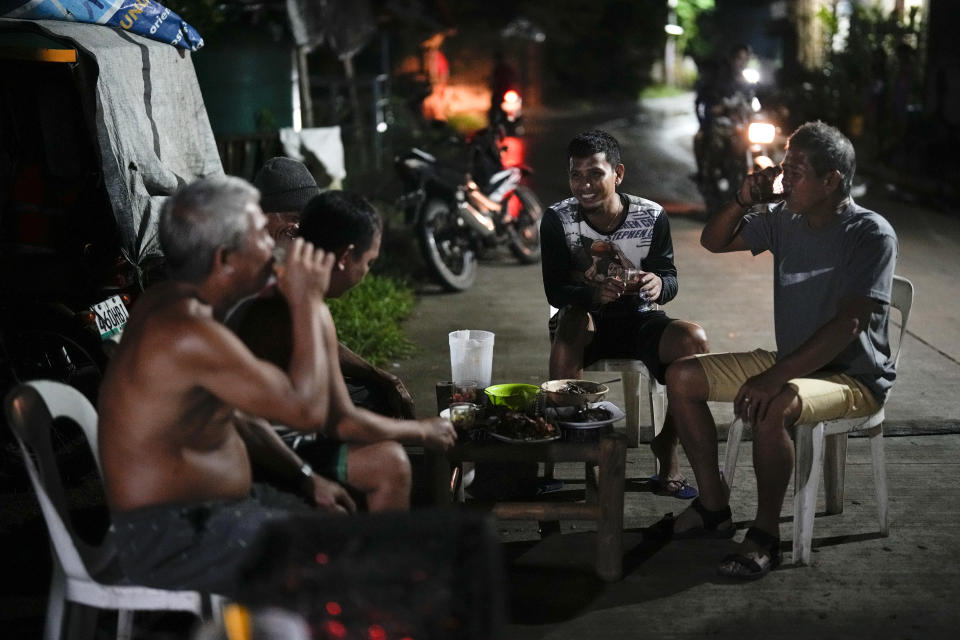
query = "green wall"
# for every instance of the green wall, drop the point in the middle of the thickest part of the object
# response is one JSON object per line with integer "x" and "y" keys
{"x": 244, "y": 76}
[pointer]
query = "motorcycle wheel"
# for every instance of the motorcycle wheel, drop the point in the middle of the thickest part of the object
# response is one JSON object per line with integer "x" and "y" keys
{"x": 447, "y": 246}
{"x": 523, "y": 233}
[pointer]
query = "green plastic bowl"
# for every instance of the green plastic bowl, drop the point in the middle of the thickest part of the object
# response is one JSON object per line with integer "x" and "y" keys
{"x": 514, "y": 396}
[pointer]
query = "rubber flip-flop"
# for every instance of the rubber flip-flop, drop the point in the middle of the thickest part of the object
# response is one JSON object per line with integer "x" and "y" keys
{"x": 685, "y": 490}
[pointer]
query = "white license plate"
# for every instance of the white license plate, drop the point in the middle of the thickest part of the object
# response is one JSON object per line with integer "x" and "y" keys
{"x": 111, "y": 316}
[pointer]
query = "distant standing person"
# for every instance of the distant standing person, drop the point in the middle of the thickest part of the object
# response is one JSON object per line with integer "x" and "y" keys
{"x": 833, "y": 266}
{"x": 607, "y": 260}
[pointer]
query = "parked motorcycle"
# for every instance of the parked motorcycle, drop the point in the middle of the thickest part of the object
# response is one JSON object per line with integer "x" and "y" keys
{"x": 458, "y": 215}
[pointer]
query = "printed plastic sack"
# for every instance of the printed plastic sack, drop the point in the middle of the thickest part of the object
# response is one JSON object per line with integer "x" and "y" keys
{"x": 143, "y": 17}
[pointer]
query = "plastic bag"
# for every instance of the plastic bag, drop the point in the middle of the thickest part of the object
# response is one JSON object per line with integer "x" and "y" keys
{"x": 143, "y": 17}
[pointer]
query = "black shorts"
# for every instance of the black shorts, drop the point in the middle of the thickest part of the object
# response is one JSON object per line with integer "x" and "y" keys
{"x": 629, "y": 335}
{"x": 200, "y": 546}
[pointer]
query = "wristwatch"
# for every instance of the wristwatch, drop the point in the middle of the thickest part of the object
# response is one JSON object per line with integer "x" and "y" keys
{"x": 306, "y": 471}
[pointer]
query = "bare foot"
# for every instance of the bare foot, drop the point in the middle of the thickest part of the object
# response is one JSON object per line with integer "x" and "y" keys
{"x": 664, "y": 447}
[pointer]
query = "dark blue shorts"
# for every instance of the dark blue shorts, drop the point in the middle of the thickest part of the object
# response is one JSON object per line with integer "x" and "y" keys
{"x": 200, "y": 546}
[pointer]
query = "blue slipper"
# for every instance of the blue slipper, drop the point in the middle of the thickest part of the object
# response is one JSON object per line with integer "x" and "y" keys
{"x": 683, "y": 490}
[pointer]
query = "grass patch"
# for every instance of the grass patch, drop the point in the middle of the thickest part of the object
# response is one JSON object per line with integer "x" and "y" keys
{"x": 467, "y": 122}
{"x": 368, "y": 319}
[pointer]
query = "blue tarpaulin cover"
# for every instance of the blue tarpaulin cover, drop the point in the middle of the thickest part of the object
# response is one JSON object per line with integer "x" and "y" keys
{"x": 143, "y": 17}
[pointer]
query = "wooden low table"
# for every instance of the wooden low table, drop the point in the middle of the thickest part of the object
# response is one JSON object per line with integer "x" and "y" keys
{"x": 605, "y": 465}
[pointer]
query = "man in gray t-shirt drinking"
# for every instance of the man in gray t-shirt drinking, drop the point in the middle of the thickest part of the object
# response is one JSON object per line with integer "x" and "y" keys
{"x": 833, "y": 274}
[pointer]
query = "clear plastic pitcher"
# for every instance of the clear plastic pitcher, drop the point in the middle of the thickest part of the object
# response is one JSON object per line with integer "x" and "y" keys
{"x": 471, "y": 356}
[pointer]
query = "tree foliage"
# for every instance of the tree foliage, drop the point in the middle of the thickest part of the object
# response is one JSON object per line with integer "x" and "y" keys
{"x": 599, "y": 48}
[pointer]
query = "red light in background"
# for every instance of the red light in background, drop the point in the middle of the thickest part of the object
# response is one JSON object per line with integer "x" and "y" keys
{"x": 377, "y": 632}
{"x": 334, "y": 608}
{"x": 511, "y": 96}
{"x": 335, "y": 629}
{"x": 322, "y": 558}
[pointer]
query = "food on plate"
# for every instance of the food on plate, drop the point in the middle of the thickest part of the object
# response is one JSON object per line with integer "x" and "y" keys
{"x": 518, "y": 426}
{"x": 574, "y": 387}
{"x": 590, "y": 414}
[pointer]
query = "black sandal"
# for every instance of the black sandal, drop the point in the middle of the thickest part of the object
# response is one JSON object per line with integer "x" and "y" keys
{"x": 742, "y": 567}
{"x": 711, "y": 524}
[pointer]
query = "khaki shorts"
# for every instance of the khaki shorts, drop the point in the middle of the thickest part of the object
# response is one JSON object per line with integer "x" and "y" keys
{"x": 825, "y": 396}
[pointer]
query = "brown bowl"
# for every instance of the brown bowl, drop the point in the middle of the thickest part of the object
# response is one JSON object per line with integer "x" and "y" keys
{"x": 573, "y": 393}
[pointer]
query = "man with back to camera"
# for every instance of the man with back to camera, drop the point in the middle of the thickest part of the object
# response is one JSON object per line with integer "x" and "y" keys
{"x": 372, "y": 461}
{"x": 286, "y": 186}
{"x": 593, "y": 242}
{"x": 176, "y": 407}
{"x": 833, "y": 275}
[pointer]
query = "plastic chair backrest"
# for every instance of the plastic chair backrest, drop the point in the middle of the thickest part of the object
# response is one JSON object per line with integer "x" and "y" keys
{"x": 901, "y": 298}
{"x": 31, "y": 408}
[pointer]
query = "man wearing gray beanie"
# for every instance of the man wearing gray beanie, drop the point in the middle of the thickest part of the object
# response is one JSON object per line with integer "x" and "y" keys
{"x": 286, "y": 186}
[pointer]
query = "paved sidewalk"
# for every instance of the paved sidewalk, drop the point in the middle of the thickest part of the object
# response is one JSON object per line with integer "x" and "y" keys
{"x": 860, "y": 585}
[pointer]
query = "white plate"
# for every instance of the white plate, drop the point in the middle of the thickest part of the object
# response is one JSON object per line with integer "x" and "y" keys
{"x": 559, "y": 413}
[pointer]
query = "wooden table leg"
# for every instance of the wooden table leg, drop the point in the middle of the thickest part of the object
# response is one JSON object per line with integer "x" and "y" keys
{"x": 613, "y": 462}
{"x": 591, "y": 477}
{"x": 438, "y": 471}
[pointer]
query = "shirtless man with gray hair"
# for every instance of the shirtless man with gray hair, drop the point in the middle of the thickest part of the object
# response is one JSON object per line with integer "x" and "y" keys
{"x": 184, "y": 404}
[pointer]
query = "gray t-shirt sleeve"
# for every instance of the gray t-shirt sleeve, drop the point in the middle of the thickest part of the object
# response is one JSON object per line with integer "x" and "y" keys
{"x": 870, "y": 268}
{"x": 759, "y": 228}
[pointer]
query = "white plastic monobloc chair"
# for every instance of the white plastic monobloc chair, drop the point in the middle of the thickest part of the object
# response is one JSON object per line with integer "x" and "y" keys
{"x": 823, "y": 446}
{"x": 637, "y": 381}
{"x": 31, "y": 409}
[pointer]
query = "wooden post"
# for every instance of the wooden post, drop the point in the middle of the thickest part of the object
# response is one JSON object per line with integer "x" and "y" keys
{"x": 303, "y": 77}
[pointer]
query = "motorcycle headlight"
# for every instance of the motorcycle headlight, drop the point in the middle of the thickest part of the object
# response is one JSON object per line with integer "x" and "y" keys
{"x": 761, "y": 133}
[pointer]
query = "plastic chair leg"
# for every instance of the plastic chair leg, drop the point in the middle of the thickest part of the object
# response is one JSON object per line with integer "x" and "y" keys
{"x": 734, "y": 434}
{"x": 658, "y": 405}
{"x": 834, "y": 466}
{"x": 809, "y": 463}
{"x": 124, "y": 624}
{"x": 880, "y": 477}
{"x": 56, "y": 604}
